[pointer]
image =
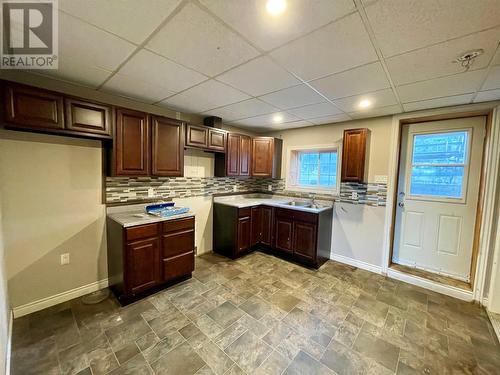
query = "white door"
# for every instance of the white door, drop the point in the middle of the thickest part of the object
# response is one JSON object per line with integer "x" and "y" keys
{"x": 438, "y": 190}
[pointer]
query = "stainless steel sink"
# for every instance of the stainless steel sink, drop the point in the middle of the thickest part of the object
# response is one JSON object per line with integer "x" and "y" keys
{"x": 300, "y": 204}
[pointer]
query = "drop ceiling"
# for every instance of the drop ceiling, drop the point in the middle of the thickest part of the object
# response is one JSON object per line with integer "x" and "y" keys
{"x": 311, "y": 65}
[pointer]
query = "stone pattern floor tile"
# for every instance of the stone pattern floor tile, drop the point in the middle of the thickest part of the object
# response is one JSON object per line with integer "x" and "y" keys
{"x": 262, "y": 315}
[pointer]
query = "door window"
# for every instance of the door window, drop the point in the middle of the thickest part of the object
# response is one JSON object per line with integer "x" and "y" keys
{"x": 439, "y": 165}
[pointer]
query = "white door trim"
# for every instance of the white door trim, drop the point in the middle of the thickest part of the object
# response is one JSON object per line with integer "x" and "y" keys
{"x": 492, "y": 162}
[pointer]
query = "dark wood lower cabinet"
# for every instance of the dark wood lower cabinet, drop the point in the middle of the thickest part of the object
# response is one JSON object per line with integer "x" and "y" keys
{"x": 144, "y": 258}
{"x": 301, "y": 236}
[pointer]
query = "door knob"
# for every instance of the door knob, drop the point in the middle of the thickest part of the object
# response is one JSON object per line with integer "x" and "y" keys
{"x": 401, "y": 204}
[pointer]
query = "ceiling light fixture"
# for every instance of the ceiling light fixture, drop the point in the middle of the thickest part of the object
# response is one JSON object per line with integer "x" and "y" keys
{"x": 365, "y": 103}
{"x": 275, "y": 7}
{"x": 277, "y": 118}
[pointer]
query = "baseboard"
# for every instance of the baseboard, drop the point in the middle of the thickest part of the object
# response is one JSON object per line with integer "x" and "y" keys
{"x": 58, "y": 298}
{"x": 465, "y": 295}
{"x": 356, "y": 263}
{"x": 495, "y": 322}
{"x": 9, "y": 344}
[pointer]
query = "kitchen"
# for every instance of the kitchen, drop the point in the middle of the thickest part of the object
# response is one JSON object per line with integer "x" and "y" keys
{"x": 254, "y": 187}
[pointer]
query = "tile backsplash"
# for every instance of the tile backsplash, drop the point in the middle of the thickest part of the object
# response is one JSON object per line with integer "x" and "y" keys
{"x": 132, "y": 189}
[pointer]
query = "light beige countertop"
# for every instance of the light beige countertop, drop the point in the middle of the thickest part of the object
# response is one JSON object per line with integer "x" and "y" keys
{"x": 132, "y": 215}
{"x": 249, "y": 200}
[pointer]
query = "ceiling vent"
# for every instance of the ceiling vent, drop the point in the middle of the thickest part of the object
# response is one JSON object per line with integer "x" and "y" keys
{"x": 467, "y": 59}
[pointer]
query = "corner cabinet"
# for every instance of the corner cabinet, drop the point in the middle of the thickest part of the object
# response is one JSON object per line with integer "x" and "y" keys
{"x": 145, "y": 258}
{"x": 354, "y": 155}
{"x": 266, "y": 157}
{"x": 34, "y": 109}
{"x": 236, "y": 162}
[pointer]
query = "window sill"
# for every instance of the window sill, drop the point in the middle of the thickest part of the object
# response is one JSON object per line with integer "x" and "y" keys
{"x": 298, "y": 189}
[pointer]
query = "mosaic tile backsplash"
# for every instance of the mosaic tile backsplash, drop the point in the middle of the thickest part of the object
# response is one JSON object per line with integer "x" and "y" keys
{"x": 133, "y": 189}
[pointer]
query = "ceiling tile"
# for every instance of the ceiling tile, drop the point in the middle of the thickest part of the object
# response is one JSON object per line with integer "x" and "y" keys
{"x": 99, "y": 49}
{"x": 157, "y": 70}
{"x": 401, "y": 26}
{"x": 382, "y": 98}
{"x": 291, "y": 125}
{"x": 486, "y": 96}
{"x": 296, "y": 96}
{"x": 315, "y": 110}
{"x": 376, "y": 112}
{"x": 330, "y": 119}
{"x": 114, "y": 15}
{"x": 72, "y": 71}
{"x": 207, "y": 95}
{"x": 142, "y": 90}
{"x": 332, "y": 49}
{"x": 437, "y": 103}
{"x": 251, "y": 19}
{"x": 437, "y": 61}
{"x": 267, "y": 120}
{"x": 244, "y": 109}
{"x": 493, "y": 79}
{"x": 360, "y": 80}
{"x": 195, "y": 39}
{"x": 258, "y": 77}
{"x": 457, "y": 84}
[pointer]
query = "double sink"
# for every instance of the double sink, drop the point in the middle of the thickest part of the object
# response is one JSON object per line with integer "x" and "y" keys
{"x": 302, "y": 204}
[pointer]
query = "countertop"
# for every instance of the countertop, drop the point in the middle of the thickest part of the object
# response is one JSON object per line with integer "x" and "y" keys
{"x": 249, "y": 200}
{"x": 139, "y": 217}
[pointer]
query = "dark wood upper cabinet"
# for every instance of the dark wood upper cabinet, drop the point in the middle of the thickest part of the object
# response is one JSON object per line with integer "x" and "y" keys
{"x": 143, "y": 265}
{"x": 32, "y": 108}
{"x": 131, "y": 148}
{"x": 217, "y": 140}
{"x": 232, "y": 157}
{"x": 196, "y": 136}
{"x": 88, "y": 117}
{"x": 245, "y": 155}
{"x": 167, "y": 151}
{"x": 266, "y": 157}
{"x": 354, "y": 155}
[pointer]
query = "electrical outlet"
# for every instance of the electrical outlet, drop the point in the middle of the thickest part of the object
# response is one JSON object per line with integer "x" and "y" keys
{"x": 64, "y": 259}
{"x": 354, "y": 195}
{"x": 269, "y": 187}
{"x": 151, "y": 192}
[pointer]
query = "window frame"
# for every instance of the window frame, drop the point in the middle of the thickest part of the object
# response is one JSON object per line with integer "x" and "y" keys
{"x": 293, "y": 169}
{"x": 466, "y": 166}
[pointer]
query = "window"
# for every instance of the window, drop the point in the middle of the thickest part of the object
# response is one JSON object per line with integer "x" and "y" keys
{"x": 438, "y": 165}
{"x": 313, "y": 169}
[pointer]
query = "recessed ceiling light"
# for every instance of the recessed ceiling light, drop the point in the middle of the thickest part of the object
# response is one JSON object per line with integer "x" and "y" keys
{"x": 277, "y": 118}
{"x": 365, "y": 103}
{"x": 275, "y": 7}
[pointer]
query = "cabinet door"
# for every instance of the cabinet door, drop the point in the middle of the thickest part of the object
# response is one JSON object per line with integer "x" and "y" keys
{"x": 244, "y": 233}
{"x": 131, "y": 143}
{"x": 262, "y": 157}
{"x": 353, "y": 155}
{"x": 304, "y": 239}
{"x": 87, "y": 117}
{"x": 33, "y": 108}
{"x": 196, "y": 136}
{"x": 142, "y": 270}
{"x": 245, "y": 152}
{"x": 167, "y": 157}
{"x": 233, "y": 155}
{"x": 216, "y": 140}
{"x": 256, "y": 225}
{"x": 284, "y": 232}
{"x": 267, "y": 225}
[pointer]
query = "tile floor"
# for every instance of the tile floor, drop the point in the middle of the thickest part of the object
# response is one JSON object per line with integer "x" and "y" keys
{"x": 263, "y": 315}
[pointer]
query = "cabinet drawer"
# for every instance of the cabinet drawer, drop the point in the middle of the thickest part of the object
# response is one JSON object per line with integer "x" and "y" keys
{"x": 177, "y": 243}
{"x": 283, "y": 212}
{"x": 305, "y": 216}
{"x": 177, "y": 266}
{"x": 142, "y": 231}
{"x": 246, "y": 211}
{"x": 178, "y": 225}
